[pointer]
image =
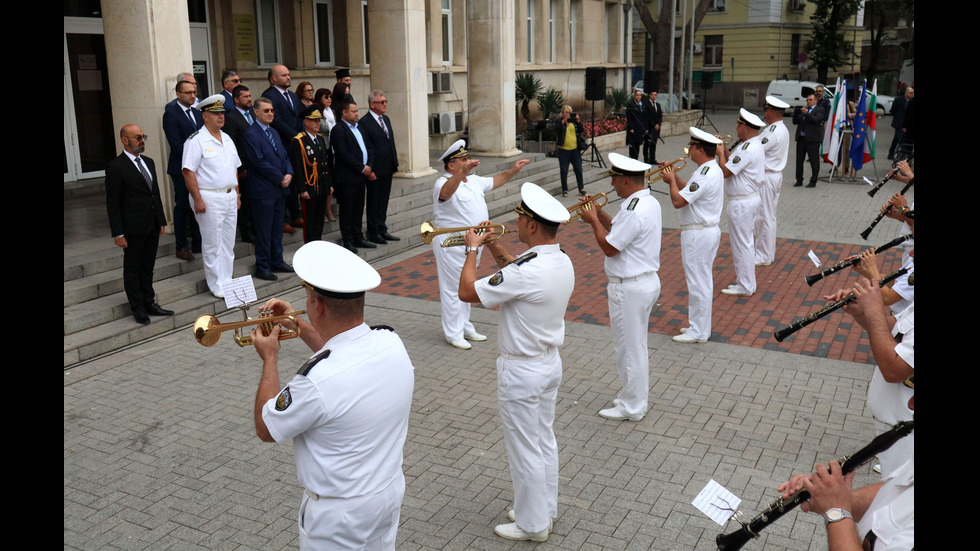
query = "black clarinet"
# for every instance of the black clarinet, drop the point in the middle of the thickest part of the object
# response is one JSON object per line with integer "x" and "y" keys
{"x": 811, "y": 279}
{"x": 867, "y": 232}
{"x": 781, "y": 334}
{"x": 894, "y": 171}
{"x": 778, "y": 508}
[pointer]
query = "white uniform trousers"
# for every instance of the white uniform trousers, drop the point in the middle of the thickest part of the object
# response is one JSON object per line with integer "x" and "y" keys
{"x": 765, "y": 223}
{"x": 455, "y": 313}
{"x": 526, "y": 393}
{"x": 368, "y": 522}
{"x": 217, "y": 225}
{"x": 741, "y": 217}
{"x": 698, "y": 250}
{"x": 630, "y": 303}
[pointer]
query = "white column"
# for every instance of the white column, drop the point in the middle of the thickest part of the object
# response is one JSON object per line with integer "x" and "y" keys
{"x": 490, "y": 70}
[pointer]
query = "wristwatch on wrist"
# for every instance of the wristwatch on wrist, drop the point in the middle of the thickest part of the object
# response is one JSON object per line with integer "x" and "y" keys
{"x": 836, "y": 515}
{"x": 469, "y": 250}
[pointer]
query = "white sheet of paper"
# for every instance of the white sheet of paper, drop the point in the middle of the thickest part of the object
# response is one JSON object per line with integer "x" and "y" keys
{"x": 814, "y": 259}
{"x": 869, "y": 181}
{"x": 239, "y": 292}
{"x": 716, "y": 502}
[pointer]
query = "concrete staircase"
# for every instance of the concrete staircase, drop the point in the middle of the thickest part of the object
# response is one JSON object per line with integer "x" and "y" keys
{"x": 97, "y": 318}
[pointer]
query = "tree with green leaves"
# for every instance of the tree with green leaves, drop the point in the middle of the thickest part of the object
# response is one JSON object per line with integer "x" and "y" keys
{"x": 550, "y": 102}
{"x": 527, "y": 87}
{"x": 661, "y": 34}
{"x": 881, "y": 17}
{"x": 828, "y": 45}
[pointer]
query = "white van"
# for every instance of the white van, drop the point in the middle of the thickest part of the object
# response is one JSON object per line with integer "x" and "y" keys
{"x": 793, "y": 92}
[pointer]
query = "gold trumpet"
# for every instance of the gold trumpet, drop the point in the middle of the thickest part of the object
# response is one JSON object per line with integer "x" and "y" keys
{"x": 650, "y": 178}
{"x": 727, "y": 139}
{"x": 429, "y": 232}
{"x": 207, "y": 330}
{"x": 592, "y": 202}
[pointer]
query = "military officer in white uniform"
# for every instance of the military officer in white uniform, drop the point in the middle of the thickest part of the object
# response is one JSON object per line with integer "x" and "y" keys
{"x": 347, "y": 408}
{"x": 700, "y": 201}
{"x": 210, "y": 168}
{"x": 458, "y": 200}
{"x": 775, "y": 142}
{"x": 532, "y": 291}
{"x": 745, "y": 173}
{"x": 631, "y": 243}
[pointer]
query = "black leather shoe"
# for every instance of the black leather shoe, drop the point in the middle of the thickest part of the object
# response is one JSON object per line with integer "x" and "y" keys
{"x": 196, "y": 248}
{"x": 268, "y": 276}
{"x": 285, "y": 268}
{"x": 140, "y": 314}
{"x": 156, "y": 310}
{"x": 350, "y": 247}
{"x": 375, "y": 239}
{"x": 812, "y": 184}
{"x": 364, "y": 244}
{"x": 388, "y": 237}
{"x": 798, "y": 184}
{"x": 248, "y": 238}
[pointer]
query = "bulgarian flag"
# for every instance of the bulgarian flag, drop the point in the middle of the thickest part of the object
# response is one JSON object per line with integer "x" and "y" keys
{"x": 836, "y": 124}
{"x": 870, "y": 141}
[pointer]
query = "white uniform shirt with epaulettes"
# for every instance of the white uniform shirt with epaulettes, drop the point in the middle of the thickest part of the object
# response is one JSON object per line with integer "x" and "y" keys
{"x": 775, "y": 141}
{"x": 347, "y": 413}
{"x": 748, "y": 167}
{"x": 635, "y": 233}
{"x": 466, "y": 207}
{"x": 214, "y": 163}
{"x": 705, "y": 196}
{"x": 532, "y": 292}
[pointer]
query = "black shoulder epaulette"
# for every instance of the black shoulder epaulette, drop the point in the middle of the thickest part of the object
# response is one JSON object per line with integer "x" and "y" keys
{"x": 524, "y": 258}
{"x": 705, "y": 169}
{"x": 772, "y": 128}
{"x": 746, "y": 145}
{"x": 313, "y": 361}
{"x": 192, "y": 135}
{"x": 633, "y": 203}
{"x": 382, "y": 327}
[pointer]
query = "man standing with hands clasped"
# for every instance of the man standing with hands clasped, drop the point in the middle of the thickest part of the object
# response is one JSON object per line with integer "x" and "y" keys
{"x": 532, "y": 291}
{"x": 631, "y": 243}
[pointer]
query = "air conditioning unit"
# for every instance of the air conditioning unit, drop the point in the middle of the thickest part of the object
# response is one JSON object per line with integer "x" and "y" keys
{"x": 444, "y": 122}
{"x": 440, "y": 82}
{"x": 698, "y": 47}
{"x": 797, "y": 5}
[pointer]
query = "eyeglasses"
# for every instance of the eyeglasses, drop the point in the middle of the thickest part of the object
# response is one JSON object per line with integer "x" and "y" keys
{"x": 380, "y": 101}
{"x": 138, "y": 137}
{"x": 269, "y": 110}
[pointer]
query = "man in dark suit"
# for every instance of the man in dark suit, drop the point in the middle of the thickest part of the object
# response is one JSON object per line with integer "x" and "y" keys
{"x": 312, "y": 162}
{"x": 237, "y": 121}
{"x": 229, "y": 80}
{"x": 353, "y": 158}
{"x": 376, "y": 129}
{"x": 287, "y": 123}
{"x": 136, "y": 220}
{"x": 180, "y": 120}
{"x": 809, "y": 124}
{"x": 655, "y": 116}
{"x": 269, "y": 176}
{"x": 636, "y": 124}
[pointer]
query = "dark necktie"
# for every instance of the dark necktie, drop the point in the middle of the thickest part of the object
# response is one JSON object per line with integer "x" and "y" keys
{"x": 191, "y": 117}
{"x": 381, "y": 120}
{"x": 268, "y": 134}
{"x": 146, "y": 175}
{"x": 248, "y": 118}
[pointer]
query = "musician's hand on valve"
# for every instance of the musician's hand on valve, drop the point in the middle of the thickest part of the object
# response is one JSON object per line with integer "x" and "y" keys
{"x": 266, "y": 346}
{"x": 589, "y": 212}
{"x": 473, "y": 238}
{"x": 867, "y": 304}
{"x": 904, "y": 172}
{"x": 839, "y": 295}
{"x": 280, "y": 307}
{"x": 792, "y": 486}
{"x": 828, "y": 489}
{"x": 898, "y": 205}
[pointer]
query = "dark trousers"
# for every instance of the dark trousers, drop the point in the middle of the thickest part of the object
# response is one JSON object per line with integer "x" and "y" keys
{"x": 895, "y": 141}
{"x": 183, "y": 215}
{"x": 350, "y": 195}
{"x": 267, "y": 215}
{"x": 811, "y": 150}
{"x": 634, "y": 150}
{"x": 573, "y": 156}
{"x": 314, "y": 209}
{"x": 292, "y": 205}
{"x": 139, "y": 257}
{"x": 650, "y": 150}
{"x": 378, "y": 192}
{"x": 244, "y": 214}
